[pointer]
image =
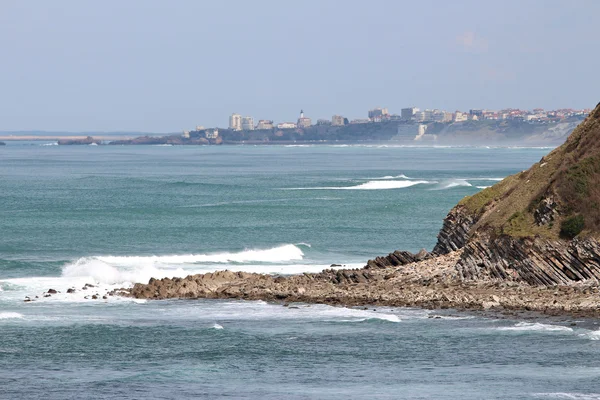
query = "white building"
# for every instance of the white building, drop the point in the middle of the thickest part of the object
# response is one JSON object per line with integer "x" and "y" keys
{"x": 377, "y": 114}
{"x": 211, "y": 133}
{"x": 264, "y": 124}
{"x": 408, "y": 113}
{"x": 248, "y": 124}
{"x": 459, "y": 116}
{"x": 286, "y": 125}
{"x": 235, "y": 122}
{"x": 337, "y": 120}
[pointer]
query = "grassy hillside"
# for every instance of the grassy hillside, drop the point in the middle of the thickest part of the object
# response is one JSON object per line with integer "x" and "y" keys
{"x": 557, "y": 197}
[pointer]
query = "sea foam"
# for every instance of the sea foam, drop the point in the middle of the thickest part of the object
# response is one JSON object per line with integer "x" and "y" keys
{"x": 527, "y": 326}
{"x": 131, "y": 269}
{"x": 452, "y": 183}
{"x": 371, "y": 185}
{"x": 288, "y": 252}
{"x": 10, "y": 315}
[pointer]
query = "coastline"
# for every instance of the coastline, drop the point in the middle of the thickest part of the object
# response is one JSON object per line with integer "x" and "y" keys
{"x": 428, "y": 284}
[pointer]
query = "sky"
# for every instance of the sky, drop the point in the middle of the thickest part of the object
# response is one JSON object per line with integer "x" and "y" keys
{"x": 166, "y": 66}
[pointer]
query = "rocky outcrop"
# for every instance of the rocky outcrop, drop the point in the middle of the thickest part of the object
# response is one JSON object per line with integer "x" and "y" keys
{"x": 431, "y": 283}
{"x": 535, "y": 261}
{"x": 455, "y": 230}
{"x": 398, "y": 258}
{"x": 85, "y": 141}
{"x": 2, "y": 144}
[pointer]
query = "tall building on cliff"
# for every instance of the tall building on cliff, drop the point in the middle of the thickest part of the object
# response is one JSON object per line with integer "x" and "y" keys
{"x": 337, "y": 120}
{"x": 248, "y": 123}
{"x": 235, "y": 122}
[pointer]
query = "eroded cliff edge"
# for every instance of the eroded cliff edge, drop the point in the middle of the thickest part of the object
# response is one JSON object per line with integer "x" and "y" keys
{"x": 528, "y": 242}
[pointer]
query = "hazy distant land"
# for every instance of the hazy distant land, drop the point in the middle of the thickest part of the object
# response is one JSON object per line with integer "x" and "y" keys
{"x": 506, "y": 132}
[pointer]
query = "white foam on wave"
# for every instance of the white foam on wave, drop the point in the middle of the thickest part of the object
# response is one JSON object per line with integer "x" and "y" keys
{"x": 239, "y": 310}
{"x": 566, "y": 395}
{"x": 371, "y": 185}
{"x": 217, "y": 326}
{"x": 10, "y": 315}
{"x": 538, "y": 327}
{"x": 482, "y": 187}
{"x": 452, "y": 183}
{"x": 284, "y": 253}
{"x": 382, "y": 317}
{"x": 401, "y": 176}
{"x": 592, "y": 335}
{"x": 484, "y": 179}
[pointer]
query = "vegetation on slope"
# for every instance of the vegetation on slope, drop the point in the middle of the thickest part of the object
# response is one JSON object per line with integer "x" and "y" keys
{"x": 557, "y": 197}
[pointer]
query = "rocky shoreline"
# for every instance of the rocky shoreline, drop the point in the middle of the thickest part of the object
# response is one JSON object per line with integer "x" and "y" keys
{"x": 431, "y": 283}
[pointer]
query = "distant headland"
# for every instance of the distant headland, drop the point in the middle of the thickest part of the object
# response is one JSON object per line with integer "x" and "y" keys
{"x": 429, "y": 127}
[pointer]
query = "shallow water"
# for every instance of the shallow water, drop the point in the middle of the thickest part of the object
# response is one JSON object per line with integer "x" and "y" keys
{"x": 112, "y": 216}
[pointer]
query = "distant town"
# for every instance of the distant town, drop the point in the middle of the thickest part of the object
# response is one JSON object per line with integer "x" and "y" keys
{"x": 412, "y": 126}
{"x": 237, "y": 122}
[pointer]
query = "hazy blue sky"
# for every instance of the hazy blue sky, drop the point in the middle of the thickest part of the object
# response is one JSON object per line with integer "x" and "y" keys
{"x": 163, "y": 66}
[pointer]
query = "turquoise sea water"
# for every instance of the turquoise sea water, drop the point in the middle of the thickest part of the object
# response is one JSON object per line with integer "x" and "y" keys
{"x": 113, "y": 216}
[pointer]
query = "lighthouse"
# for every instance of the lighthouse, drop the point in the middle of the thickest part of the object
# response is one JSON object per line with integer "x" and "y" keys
{"x": 303, "y": 122}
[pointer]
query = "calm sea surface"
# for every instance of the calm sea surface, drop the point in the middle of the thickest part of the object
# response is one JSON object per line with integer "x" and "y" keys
{"x": 112, "y": 216}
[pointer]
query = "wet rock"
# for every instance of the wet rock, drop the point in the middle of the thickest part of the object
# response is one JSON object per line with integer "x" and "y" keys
{"x": 71, "y": 290}
{"x": 51, "y": 291}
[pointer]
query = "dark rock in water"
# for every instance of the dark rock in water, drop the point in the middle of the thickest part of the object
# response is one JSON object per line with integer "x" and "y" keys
{"x": 27, "y": 299}
{"x": 88, "y": 285}
{"x": 94, "y": 297}
{"x": 51, "y": 291}
{"x": 71, "y": 290}
{"x": 335, "y": 265}
{"x": 2, "y": 144}
{"x": 47, "y": 295}
{"x": 85, "y": 141}
{"x": 104, "y": 297}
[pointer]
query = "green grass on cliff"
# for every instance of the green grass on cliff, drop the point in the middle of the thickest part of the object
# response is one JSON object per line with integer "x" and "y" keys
{"x": 570, "y": 175}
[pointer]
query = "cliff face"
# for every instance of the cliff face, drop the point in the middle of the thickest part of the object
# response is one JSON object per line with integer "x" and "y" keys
{"x": 540, "y": 226}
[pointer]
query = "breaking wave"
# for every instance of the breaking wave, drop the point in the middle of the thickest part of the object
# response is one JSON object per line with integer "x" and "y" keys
{"x": 287, "y": 252}
{"x": 565, "y": 395}
{"x": 452, "y": 183}
{"x": 10, "y": 315}
{"x": 401, "y": 176}
{"x": 527, "y": 326}
{"x": 129, "y": 269}
{"x": 371, "y": 185}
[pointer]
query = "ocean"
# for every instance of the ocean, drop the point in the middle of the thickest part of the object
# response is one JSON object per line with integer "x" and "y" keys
{"x": 110, "y": 216}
